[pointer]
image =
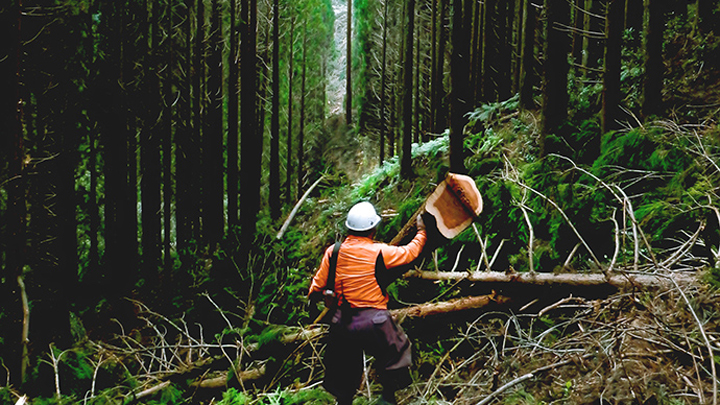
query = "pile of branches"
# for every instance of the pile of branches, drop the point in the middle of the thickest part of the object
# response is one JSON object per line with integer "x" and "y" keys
{"x": 632, "y": 347}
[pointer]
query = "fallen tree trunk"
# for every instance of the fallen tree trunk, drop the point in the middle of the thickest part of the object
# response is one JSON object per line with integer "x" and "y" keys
{"x": 221, "y": 380}
{"x": 423, "y": 310}
{"x": 542, "y": 279}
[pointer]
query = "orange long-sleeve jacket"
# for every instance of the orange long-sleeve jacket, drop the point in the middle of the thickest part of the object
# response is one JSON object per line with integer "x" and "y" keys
{"x": 355, "y": 270}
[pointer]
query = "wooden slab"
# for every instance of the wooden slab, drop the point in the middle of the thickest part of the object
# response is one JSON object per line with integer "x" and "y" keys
{"x": 454, "y": 204}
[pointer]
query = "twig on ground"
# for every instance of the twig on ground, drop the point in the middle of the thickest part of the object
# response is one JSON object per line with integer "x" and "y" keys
{"x": 562, "y": 213}
{"x": 566, "y": 265}
{"x": 56, "y": 368}
{"x": 705, "y": 338}
{"x": 495, "y": 255}
{"x": 505, "y": 387}
{"x": 483, "y": 246}
{"x": 152, "y": 390}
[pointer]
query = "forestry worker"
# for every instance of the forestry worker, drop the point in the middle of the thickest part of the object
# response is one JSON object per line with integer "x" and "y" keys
{"x": 361, "y": 321}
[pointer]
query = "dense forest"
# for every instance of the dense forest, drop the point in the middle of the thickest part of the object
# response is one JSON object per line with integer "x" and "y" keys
{"x": 172, "y": 170}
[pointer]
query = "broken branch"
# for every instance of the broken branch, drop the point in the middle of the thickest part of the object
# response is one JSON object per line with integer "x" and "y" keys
{"x": 296, "y": 207}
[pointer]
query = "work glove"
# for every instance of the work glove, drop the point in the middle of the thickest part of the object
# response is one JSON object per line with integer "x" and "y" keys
{"x": 312, "y": 304}
{"x": 420, "y": 223}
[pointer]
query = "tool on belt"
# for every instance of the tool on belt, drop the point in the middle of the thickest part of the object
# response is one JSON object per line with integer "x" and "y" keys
{"x": 329, "y": 294}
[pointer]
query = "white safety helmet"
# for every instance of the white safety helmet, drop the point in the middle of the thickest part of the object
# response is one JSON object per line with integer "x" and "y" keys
{"x": 362, "y": 217}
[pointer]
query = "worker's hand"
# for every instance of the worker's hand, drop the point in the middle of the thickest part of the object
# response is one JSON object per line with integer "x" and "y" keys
{"x": 314, "y": 298}
{"x": 420, "y": 223}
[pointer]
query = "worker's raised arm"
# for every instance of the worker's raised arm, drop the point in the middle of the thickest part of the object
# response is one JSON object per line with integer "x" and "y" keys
{"x": 399, "y": 255}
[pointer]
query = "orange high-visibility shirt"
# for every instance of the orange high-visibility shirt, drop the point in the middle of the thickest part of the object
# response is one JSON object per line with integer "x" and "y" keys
{"x": 355, "y": 270}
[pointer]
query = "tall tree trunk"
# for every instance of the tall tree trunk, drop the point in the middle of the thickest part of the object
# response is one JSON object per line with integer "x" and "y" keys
{"x": 59, "y": 272}
{"x": 262, "y": 83}
{"x": 213, "y": 194}
{"x": 232, "y": 120}
{"x": 416, "y": 87}
{"x": 301, "y": 131}
{"x": 593, "y": 26}
{"x": 348, "y": 71}
{"x": 383, "y": 81}
{"x": 491, "y": 53}
{"x": 288, "y": 139}
{"x": 528, "y": 76}
{"x": 392, "y": 119}
{"x": 505, "y": 14}
{"x": 274, "y": 186}
{"x": 440, "y": 115}
{"x": 150, "y": 144}
{"x": 517, "y": 34}
{"x": 199, "y": 112}
{"x": 406, "y": 161}
{"x": 251, "y": 142}
{"x": 476, "y": 53}
{"x": 578, "y": 17}
{"x": 653, "y": 82}
{"x": 555, "y": 66}
{"x": 12, "y": 151}
{"x": 611, "y": 74}
{"x": 168, "y": 123}
{"x": 433, "y": 58}
{"x": 185, "y": 151}
{"x": 459, "y": 91}
{"x": 111, "y": 101}
{"x": 92, "y": 207}
{"x": 634, "y": 17}
{"x": 678, "y": 9}
{"x": 707, "y": 12}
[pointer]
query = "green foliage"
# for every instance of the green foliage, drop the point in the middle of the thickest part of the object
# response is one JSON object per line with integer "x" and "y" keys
{"x": 488, "y": 113}
{"x": 287, "y": 397}
{"x": 712, "y": 277}
{"x": 234, "y": 397}
{"x": 282, "y": 296}
{"x": 580, "y": 144}
{"x": 521, "y": 397}
{"x": 65, "y": 400}
{"x": 631, "y": 70}
{"x": 585, "y": 98}
{"x": 169, "y": 395}
{"x": 7, "y": 396}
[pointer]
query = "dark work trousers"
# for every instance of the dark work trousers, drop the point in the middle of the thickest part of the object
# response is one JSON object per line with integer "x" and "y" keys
{"x": 353, "y": 331}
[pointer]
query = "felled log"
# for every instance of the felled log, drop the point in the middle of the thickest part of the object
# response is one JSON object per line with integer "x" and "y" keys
{"x": 297, "y": 335}
{"x": 424, "y": 310}
{"x": 617, "y": 280}
{"x": 220, "y": 381}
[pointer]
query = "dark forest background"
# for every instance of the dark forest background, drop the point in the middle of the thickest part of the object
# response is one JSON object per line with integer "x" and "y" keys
{"x": 151, "y": 149}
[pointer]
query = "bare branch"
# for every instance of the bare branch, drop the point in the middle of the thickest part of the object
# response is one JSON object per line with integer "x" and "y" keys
{"x": 505, "y": 387}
